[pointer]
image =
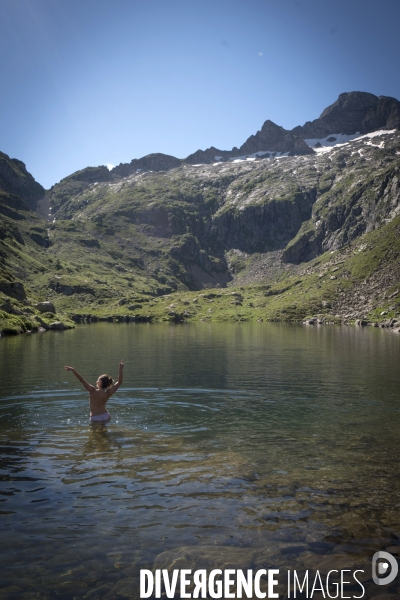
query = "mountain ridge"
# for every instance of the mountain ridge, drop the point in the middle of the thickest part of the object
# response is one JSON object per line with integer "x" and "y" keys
{"x": 352, "y": 112}
{"x": 297, "y": 234}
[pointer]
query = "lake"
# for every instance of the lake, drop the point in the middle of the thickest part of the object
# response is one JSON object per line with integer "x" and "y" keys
{"x": 243, "y": 445}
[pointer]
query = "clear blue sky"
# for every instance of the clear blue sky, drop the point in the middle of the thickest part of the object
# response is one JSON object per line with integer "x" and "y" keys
{"x": 91, "y": 82}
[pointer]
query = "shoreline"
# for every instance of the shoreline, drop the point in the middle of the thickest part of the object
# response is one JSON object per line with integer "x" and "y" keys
{"x": 87, "y": 319}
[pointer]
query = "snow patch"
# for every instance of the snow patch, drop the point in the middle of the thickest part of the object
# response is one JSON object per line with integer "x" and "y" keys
{"x": 251, "y": 156}
{"x": 381, "y": 145}
{"x": 335, "y": 140}
{"x": 378, "y": 132}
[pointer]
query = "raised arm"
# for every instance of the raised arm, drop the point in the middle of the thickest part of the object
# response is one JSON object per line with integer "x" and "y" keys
{"x": 116, "y": 385}
{"x": 90, "y": 388}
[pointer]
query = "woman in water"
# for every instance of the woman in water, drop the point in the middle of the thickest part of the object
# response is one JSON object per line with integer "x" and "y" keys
{"x": 99, "y": 395}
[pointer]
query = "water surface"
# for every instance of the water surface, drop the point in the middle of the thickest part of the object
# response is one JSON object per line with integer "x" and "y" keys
{"x": 249, "y": 445}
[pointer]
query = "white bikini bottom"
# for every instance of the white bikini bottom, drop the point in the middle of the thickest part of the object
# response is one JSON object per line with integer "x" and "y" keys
{"x": 104, "y": 417}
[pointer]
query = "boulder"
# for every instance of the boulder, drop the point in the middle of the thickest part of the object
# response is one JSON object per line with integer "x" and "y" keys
{"x": 45, "y": 307}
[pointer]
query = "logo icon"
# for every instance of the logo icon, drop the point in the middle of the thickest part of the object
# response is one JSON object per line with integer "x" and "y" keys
{"x": 381, "y": 561}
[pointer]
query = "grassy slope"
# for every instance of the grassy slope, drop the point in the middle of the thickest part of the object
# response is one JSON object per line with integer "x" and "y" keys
{"x": 314, "y": 291}
{"x": 23, "y": 257}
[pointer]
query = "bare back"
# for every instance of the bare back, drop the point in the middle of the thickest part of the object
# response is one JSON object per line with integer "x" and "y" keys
{"x": 97, "y": 401}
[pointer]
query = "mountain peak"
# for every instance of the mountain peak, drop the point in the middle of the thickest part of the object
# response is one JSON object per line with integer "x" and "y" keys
{"x": 351, "y": 113}
{"x": 351, "y": 101}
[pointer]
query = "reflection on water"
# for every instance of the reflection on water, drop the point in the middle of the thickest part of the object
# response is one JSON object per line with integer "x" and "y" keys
{"x": 251, "y": 446}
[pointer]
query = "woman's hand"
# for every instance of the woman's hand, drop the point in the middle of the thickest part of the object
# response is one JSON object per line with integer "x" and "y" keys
{"x": 121, "y": 364}
{"x": 69, "y": 368}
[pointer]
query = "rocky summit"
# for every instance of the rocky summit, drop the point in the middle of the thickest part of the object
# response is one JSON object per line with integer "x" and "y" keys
{"x": 292, "y": 225}
{"x": 351, "y": 113}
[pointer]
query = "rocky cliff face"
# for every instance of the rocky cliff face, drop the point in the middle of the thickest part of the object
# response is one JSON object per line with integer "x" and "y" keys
{"x": 264, "y": 227}
{"x": 361, "y": 192}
